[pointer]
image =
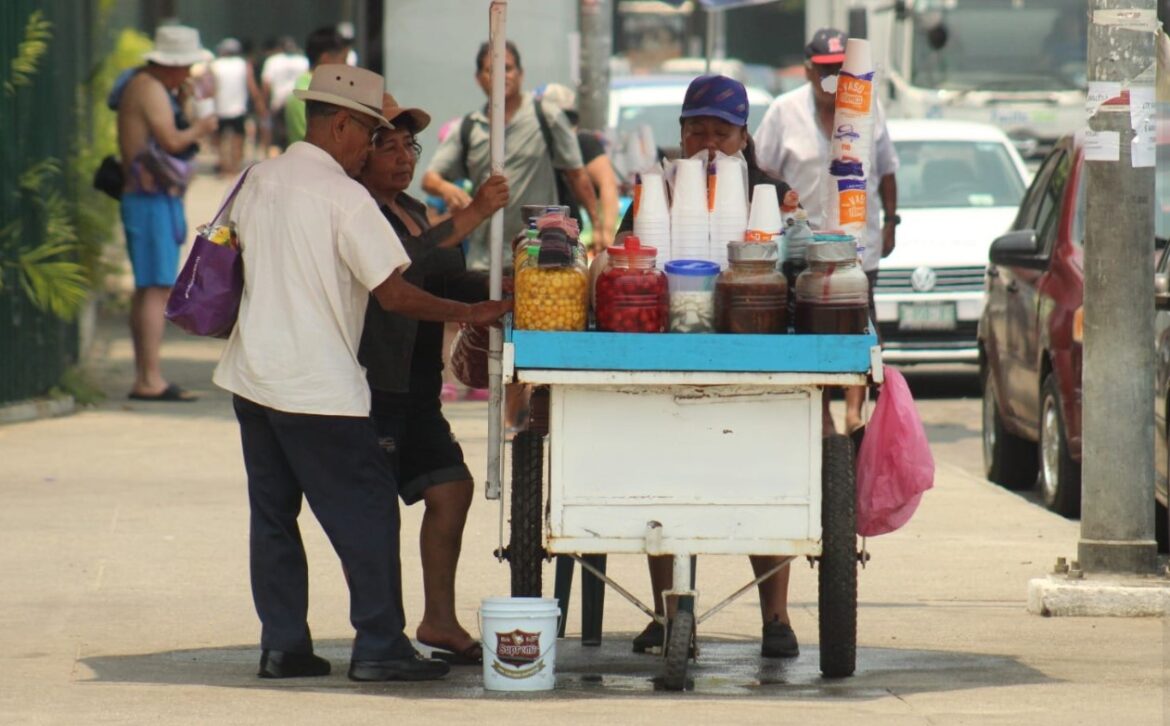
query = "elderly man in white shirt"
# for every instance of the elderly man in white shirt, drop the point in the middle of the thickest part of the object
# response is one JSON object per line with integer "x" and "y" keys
{"x": 792, "y": 143}
{"x": 314, "y": 246}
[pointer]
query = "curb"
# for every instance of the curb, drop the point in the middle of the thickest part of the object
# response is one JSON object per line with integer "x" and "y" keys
{"x": 38, "y": 408}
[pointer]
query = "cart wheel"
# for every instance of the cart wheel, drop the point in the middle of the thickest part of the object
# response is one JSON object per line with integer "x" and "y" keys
{"x": 678, "y": 646}
{"x": 525, "y": 553}
{"x": 837, "y": 595}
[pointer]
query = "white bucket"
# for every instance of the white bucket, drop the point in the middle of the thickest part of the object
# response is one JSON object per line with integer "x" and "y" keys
{"x": 519, "y": 636}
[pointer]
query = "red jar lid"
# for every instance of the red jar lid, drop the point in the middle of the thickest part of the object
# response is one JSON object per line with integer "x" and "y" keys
{"x": 633, "y": 247}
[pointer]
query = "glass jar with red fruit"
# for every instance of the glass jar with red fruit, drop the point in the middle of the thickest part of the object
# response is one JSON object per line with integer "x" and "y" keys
{"x": 631, "y": 292}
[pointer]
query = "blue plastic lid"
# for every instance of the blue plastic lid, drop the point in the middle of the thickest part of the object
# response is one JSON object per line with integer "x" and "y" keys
{"x": 822, "y": 237}
{"x": 692, "y": 268}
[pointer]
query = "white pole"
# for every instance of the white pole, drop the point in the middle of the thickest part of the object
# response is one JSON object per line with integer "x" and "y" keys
{"x": 497, "y": 23}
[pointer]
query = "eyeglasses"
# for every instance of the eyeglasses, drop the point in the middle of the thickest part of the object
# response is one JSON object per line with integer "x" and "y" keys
{"x": 391, "y": 145}
{"x": 374, "y": 129}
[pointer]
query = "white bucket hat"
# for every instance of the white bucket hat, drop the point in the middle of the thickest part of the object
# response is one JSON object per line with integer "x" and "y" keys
{"x": 177, "y": 45}
{"x": 348, "y": 87}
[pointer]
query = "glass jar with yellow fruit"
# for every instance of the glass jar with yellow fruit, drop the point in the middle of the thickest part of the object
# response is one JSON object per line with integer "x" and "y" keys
{"x": 550, "y": 298}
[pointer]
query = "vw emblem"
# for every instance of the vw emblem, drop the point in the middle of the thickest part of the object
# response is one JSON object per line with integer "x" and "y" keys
{"x": 923, "y": 279}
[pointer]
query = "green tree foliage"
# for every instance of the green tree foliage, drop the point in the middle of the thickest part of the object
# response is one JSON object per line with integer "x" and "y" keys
{"x": 37, "y": 33}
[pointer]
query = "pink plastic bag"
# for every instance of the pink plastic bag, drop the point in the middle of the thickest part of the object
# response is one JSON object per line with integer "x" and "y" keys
{"x": 894, "y": 465}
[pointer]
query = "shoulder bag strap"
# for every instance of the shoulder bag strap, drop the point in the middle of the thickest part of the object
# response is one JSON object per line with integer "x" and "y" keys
{"x": 231, "y": 197}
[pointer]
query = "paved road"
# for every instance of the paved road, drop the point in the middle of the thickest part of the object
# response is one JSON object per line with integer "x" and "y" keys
{"x": 124, "y": 595}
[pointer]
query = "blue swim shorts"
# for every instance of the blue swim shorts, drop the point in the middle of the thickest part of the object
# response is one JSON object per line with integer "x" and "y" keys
{"x": 156, "y": 227}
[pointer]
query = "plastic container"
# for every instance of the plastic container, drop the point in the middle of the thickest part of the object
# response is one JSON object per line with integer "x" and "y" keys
{"x": 692, "y": 295}
{"x": 550, "y": 297}
{"x": 519, "y": 636}
{"x": 797, "y": 236}
{"x": 751, "y": 295}
{"x": 632, "y": 293}
{"x": 832, "y": 295}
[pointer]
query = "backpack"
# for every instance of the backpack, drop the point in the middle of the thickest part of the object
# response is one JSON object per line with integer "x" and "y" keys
{"x": 465, "y": 125}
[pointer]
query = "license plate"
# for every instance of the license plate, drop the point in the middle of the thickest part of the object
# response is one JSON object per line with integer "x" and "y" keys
{"x": 926, "y": 316}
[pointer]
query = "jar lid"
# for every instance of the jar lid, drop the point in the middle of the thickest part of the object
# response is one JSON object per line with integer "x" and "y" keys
{"x": 752, "y": 252}
{"x": 633, "y": 247}
{"x": 692, "y": 268}
{"x": 832, "y": 251}
{"x": 833, "y": 237}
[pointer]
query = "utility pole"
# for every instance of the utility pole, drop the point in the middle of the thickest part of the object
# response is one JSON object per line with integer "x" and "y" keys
{"x": 1117, "y": 490}
{"x": 595, "y": 20}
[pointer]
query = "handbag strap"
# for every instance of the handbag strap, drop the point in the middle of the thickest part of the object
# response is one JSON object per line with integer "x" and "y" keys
{"x": 231, "y": 197}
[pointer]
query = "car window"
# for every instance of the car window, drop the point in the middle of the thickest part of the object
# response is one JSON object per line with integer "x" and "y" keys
{"x": 934, "y": 174}
{"x": 1030, "y": 208}
{"x": 1048, "y": 215}
{"x": 1078, "y": 221}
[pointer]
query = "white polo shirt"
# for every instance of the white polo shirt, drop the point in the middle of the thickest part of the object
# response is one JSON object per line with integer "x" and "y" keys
{"x": 790, "y": 146}
{"x": 314, "y": 245}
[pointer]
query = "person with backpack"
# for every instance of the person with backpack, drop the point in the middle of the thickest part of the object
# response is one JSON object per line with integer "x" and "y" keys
{"x": 539, "y": 142}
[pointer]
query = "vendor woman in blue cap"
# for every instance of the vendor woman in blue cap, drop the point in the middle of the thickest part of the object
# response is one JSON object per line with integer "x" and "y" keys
{"x": 714, "y": 117}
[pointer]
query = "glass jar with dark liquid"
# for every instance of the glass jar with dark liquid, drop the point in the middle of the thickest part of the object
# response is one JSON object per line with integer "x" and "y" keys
{"x": 832, "y": 294}
{"x": 751, "y": 296}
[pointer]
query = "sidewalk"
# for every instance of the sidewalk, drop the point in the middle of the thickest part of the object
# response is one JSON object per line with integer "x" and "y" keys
{"x": 123, "y": 543}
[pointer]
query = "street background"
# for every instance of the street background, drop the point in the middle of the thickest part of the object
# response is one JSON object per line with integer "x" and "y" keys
{"x": 123, "y": 548}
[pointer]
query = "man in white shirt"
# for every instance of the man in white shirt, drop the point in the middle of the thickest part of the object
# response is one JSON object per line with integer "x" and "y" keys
{"x": 315, "y": 245}
{"x": 279, "y": 76}
{"x": 792, "y": 143}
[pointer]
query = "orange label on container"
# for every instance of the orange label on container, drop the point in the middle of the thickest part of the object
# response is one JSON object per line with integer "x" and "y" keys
{"x": 756, "y": 235}
{"x": 854, "y": 94}
{"x": 851, "y": 206}
{"x": 637, "y": 198}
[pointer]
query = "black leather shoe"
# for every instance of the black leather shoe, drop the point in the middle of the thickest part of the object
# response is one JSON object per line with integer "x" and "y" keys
{"x": 779, "y": 640}
{"x": 652, "y": 637}
{"x": 412, "y": 668}
{"x": 282, "y": 664}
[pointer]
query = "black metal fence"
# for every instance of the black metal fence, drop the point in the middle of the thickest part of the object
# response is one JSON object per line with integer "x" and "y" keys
{"x": 43, "y": 116}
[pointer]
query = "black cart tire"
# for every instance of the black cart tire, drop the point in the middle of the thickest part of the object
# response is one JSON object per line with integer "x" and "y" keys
{"x": 678, "y": 646}
{"x": 525, "y": 553}
{"x": 1008, "y": 460}
{"x": 837, "y": 593}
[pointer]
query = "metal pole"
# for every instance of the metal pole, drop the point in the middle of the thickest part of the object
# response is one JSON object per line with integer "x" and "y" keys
{"x": 1117, "y": 500}
{"x": 595, "y": 19}
{"x": 497, "y": 24}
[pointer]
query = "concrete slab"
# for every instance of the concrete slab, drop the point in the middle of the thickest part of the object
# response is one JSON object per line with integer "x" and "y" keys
{"x": 1099, "y": 596}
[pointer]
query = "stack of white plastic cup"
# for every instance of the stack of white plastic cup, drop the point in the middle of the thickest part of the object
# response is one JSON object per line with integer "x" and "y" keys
{"x": 689, "y": 218}
{"x": 729, "y": 212}
{"x": 764, "y": 221}
{"x": 652, "y": 222}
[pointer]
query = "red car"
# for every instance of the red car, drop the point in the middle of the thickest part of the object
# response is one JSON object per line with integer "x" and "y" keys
{"x": 1030, "y": 343}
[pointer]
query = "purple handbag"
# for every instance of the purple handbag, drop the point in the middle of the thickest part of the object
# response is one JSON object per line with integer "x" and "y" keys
{"x": 205, "y": 298}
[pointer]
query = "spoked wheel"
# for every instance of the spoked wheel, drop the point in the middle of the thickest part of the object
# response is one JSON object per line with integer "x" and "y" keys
{"x": 680, "y": 634}
{"x": 837, "y": 593}
{"x": 525, "y": 553}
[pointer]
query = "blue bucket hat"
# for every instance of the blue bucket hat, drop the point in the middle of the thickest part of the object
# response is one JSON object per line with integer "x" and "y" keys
{"x": 719, "y": 96}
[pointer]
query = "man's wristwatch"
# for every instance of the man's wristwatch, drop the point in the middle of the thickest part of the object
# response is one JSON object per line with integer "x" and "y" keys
{"x": 894, "y": 219}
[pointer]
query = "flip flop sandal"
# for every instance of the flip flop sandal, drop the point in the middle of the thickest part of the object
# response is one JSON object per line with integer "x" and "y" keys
{"x": 470, "y": 656}
{"x": 172, "y": 392}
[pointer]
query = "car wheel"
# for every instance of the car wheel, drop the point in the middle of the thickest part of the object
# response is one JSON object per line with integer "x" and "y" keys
{"x": 1059, "y": 483}
{"x": 1008, "y": 460}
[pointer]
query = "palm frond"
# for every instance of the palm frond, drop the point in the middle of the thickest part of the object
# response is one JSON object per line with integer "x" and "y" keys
{"x": 37, "y": 33}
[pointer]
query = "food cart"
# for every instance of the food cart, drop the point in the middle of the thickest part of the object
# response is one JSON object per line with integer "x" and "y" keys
{"x": 681, "y": 445}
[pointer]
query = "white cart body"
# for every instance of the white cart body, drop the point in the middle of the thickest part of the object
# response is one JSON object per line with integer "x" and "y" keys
{"x": 686, "y": 444}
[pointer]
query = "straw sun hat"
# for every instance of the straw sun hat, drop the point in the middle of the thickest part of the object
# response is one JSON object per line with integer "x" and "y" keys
{"x": 349, "y": 87}
{"x": 177, "y": 45}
